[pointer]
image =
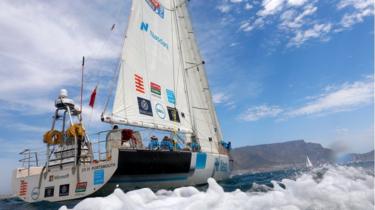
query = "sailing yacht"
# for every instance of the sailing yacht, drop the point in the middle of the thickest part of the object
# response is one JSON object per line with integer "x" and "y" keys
{"x": 308, "y": 162}
{"x": 162, "y": 87}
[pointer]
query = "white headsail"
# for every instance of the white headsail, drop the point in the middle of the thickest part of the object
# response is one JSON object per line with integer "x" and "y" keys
{"x": 204, "y": 118}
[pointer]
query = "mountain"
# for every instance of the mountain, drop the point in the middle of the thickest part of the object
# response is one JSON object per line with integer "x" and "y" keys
{"x": 358, "y": 158}
{"x": 277, "y": 156}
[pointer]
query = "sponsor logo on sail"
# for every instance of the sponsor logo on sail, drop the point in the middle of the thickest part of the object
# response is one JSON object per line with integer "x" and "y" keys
{"x": 173, "y": 114}
{"x": 160, "y": 111}
{"x": 144, "y": 106}
{"x": 155, "y": 89}
{"x": 146, "y": 27}
{"x": 171, "y": 97}
{"x": 139, "y": 87}
{"x": 156, "y": 7}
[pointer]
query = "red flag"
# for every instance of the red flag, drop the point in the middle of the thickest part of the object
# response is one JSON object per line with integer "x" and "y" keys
{"x": 92, "y": 98}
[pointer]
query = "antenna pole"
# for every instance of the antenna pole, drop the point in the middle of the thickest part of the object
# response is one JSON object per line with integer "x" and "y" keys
{"x": 83, "y": 66}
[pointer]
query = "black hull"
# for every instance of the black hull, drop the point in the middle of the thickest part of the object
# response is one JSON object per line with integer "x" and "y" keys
{"x": 151, "y": 162}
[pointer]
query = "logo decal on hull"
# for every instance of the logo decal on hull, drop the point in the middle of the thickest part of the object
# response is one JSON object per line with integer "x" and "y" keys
{"x": 49, "y": 192}
{"x": 221, "y": 165}
{"x": 81, "y": 187}
{"x": 98, "y": 176}
{"x": 23, "y": 188}
{"x": 201, "y": 161}
{"x": 64, "y": 190}
{"x": 35, "y": 193}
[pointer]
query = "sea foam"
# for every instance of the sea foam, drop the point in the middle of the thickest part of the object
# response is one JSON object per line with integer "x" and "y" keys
{"x": 333, "y": 187}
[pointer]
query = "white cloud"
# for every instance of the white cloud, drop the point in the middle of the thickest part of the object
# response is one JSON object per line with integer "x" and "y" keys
{"x": 41, "y": 46}
{"x": 236, "y": 1}
{"x": 25, "y": 127}
{"x": 248, "y": 6}
{"x": 299, "y": 21}
{"x": 317, "y": 31}
{"x": 223, "y": 98}
{"x": 348, "y": 96}
{"x": 224, "y": 8}
{"x": 220, "y": 97}
{"x": 270, "y": 7}
{"x": 361, "y": 9}
{"x": 296, "y": 2}
{"x": 357, "y": 4}
{"x": 290, "y": 19}
{"x": 248, "y": 26}
{"x": 260, "y": 112}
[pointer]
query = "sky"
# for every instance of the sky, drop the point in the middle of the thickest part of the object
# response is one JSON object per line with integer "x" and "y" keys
{"x": 279, "y": 70}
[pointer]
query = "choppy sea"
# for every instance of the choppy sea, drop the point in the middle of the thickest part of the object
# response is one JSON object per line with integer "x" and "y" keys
{"x": 349, "y": 187}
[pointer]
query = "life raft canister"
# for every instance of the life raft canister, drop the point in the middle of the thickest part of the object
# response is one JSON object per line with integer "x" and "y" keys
{"x": 52, "y": 137}
{"x": 76, "y": 130}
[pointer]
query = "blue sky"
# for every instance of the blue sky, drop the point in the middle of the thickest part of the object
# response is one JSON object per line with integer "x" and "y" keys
{"x": 279, "y": 70}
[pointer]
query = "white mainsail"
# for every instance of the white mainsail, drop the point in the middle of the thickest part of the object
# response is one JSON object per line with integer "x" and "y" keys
{"x": 162, "y": 82}
{"x": 151, "y": 86}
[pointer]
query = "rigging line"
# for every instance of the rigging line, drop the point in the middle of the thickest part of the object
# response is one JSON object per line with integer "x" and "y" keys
{"x": 120, "y": 63}
{"x": 115, "y": 75}
{"x": 102, "y": 46}
{"x": 172, "y": 54}
{"x": 117, "y": 15}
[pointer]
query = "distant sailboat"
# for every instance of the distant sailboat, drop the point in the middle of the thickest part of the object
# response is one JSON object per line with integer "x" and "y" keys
{"x": 308, "y": 162}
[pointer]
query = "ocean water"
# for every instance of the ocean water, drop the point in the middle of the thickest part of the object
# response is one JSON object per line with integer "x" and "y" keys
{"x": 327, "y": 187}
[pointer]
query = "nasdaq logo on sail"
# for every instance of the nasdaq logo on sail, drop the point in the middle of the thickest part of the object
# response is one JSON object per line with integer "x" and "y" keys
{"x": 146, "y": 27}
{"x": 156, "y": 7}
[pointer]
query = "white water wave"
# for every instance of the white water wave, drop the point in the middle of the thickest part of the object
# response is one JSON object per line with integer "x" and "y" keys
{"x": 339, "y": 187}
